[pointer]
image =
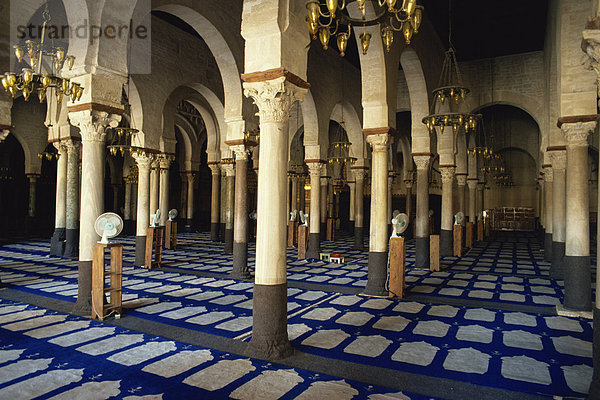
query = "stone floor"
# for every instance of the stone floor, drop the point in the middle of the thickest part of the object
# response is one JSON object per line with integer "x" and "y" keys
{"x": 483, "y": 327}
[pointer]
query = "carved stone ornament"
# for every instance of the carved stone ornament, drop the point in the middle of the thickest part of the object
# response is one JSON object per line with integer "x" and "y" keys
{"x": 591, "y": 46}
{"x": 359, "y": 174}
{"x": 422, "y": 162}
{"x": 559, "y": 159}
{"x": 379, "y": 143}
{"x": 577, "y": 133}
{"x": 73, "y": 147}
{"x": 240, "y": 151}
{"x": 143, "y": 160}
{"x": 447, "y": 174}
{"x": 215, "y": 169}
{"x": 472, "y": 184}
{"x": 461, "y": 179}
{"x": 314, "y": 169}
{"x": 274, "y": 98}
{"x": 164, "y": 163}
{"x": 548, "y": 174}
{"x": 93, "y": 124}
{"x": 229, "y": 169}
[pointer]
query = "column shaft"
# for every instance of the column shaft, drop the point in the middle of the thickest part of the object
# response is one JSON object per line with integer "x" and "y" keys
{"x": 72, "y": 212}
{"x": 164, "y": 163}
{"x": 559, "y": 159}
{"x": 422, "y": 214}
{"x": 143, "y": 206}
{"x": 154, "y": 185}
{"x": 229, "y": 205}
{"x": 214, "y": 201}
{"x": 446, "y": 234}
{"x": 314, "y": 240}
{"x": 240, "y": 221}
{"x": 191, "y": 176}
{"x": 548, "y": 177}
{"x": 60, "y": 219}
{"x": 359, "y": 220}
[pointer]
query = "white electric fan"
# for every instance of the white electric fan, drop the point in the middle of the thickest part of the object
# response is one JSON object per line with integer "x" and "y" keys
{"x": 172, "y": 214}
{"x": 399, "y": 224}
{"x": 430, "y": 213}
{"x": 459, "y": 218}
{"x": 303, "y": 218}
{"x": 155, "y": 218}
{"x": 108, "y": 226}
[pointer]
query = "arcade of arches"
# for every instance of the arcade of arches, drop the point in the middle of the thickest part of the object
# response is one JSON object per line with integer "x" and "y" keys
{"x": 241, "y": 120}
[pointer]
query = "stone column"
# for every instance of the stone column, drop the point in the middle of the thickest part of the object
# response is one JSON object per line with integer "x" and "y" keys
{"x": 323, "y": 202}
{"x": 92, "y": 125}
{"x": 60, "y": 219}
{"x": 351, "y": 218}
{"x": 144, "y": 163}
{"x": 72, "y": 232}
{"x": 378, "y": 240}
{"x": 548, "y": 177}
{"x": 164, "y": 164}
{"x": 32, "y": 193}
{"x": 577, "y": 244}
{"x": 274, "y": 99}
{"x": 183, "y": 198}
{"x": 229, "y": 204}
{"x": 127, "y": 204}
{"x": 154, "y": 185}
{"x": 359, "y": 220}
{"x": 559, "y": 226}
{"x": 472, "y": 183}
{"x": 191, "y": 177}
{"x": 446, "y": 233}
{"x": 301, "y": 194}
{"x": 215, "y": 191}
{"x": 223, "y": 204}
{"x": 422, "y": 215}
{"x": 134, "y": 191}
{"x": 408, "y": 198}
{"x": 294, "y": 198}
{"x": 314, "y": 239}
{"x": 481, "y": 190}
{"x": 461, "y": 181}
{"x": 390, "y": 182}
{"x": 240, "y": 221}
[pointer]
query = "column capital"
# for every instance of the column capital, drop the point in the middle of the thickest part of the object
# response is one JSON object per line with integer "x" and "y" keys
{"x": 548, "y": 175}
{"x": 576, "y": 133}
{"x": 215, "y": 168}
{"x": 558, "y": 158}
{"x": 408, "y": 183}
{"x": 315, "y": 168}
{"x": 191, "y": 176}
{"x": 379, "y": 142}
{"x": 241, "y": 152}
{"x": 60, "y": 146}
{"x": 422, "y": 160}
{"x": 359, "y": 173}
{"x": 93, "y": 124}
{"x": 143, "y": 160}
{"x": 447, "y": 174}
{"x": 72, "y": 146}
{"x": 164, "y": 162}
{"x": 472, "y": 183}
{"x": 461, "y": 179}
{"x": 229, "y": 169}
{"x": 274, "y": 98}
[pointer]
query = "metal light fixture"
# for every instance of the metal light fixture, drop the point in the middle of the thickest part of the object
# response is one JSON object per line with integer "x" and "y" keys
{"x": 450, "y": 92}
{"x": 48, "y": 155}
{"x": 326, "y": 19}
{"x": 31, "y": 79}
{"x": 121, "y": 137}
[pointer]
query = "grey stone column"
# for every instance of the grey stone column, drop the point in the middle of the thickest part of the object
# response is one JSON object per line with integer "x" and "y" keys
{"x": 223, "y": 204}
{"x": 323, "y": 202}
{"x": 461, "y": 181}
{"x": 422, "y": 215}
{"x": 314, "y": 240}
{"x": 378, "y": 243}
{"x": 481, "y": 195}
{"x": 240, "y": 221}
{"x": 548, "y": 178}
{"x": 472, "y": 183}
{"x": 32, "y": 193}
{"x": 144, "y": 163}
{"x": 390, "y": 182}
{"x": 164, "y": 164}
{"x": 559, "y": 227}
{"x": 446, "y": 234}
{"x": 359, "y": 220}
{"x": 127, "y": 205}
{"x": 274, "y": 99}
{"x": 301, "y": 194}
{"x": 60, "y": 219}
{"x": 577, "y": 244}
{"x": 408, "y": 183}
{"x": 154, "y": 187}
{"x": 72, "y": 232}
{"x": 92, "y": 125}
{"x": 351, "y": 218}
{"x": 229, "y": 204}
{"x": 134, "y": 191}
{"x": 191, "y": 177}
{"x": 214, "y": 201}
{"x": 294, "y": 196}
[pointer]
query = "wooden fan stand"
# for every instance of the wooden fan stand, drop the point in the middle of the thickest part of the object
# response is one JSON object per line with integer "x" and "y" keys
{"x": 171, "y": 235}
{"x": 100, "y": 308}
{"x": 153, "y": 253}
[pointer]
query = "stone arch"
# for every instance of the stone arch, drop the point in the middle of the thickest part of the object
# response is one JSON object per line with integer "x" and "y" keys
{"x": 187, "y": 131}
{"x": 345, "y": 115}
{"x": 419, "y": 100}
{"x": 310, "y": 120}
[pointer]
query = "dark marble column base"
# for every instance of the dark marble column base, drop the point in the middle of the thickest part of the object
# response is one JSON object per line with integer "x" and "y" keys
{"x": 558, "y": 254}
{"x": 422, "y": 252}
{"x": 140, "y": 250}
{"x": 128, "y": 227}
{"x": 323, "y": 231}
{"x": 594, "y": 392}
{"x": 351, "y": 227}
{"x": 269, "y": 332}
{"x": 446, "y": 243}
{"x": 240, "y": 261}
{"x": 57, "y": 242}
{"x": 71, "y": 243}
{"x": 548, "y": 247}
{"x": 314, "y": 245}
{"x": 83, "y": 306}
{"x": 578, "y": 281}
{"x": 222, "y": 232}
{"x": 359, "y": 243}
{"x": 214, "y": 231}
{"x": 228, "y": 242}
{"x": 377, "y": 278}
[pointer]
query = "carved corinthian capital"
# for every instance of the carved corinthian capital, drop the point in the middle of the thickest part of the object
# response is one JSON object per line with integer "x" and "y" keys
{"x": 143, "y": 161}
{"x": 422, "y": 162}
{"x": 240, "y": 151}
{"x": 314, "y": 169}
{"x": 274, "y": 98}
{"x": 215, "y": 168}
{"x": 576, "y": 133}
{"x": 93, "y": 124}
{"x": 559, "y": 159}
{"x": 461, "y": 179}
{"x": 548, "y": 174}
{"x": 447, "y": 174}
{"x": 379, "y": 142}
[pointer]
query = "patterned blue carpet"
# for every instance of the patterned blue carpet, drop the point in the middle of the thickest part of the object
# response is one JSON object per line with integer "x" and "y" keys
{"x": 513, "y": 350}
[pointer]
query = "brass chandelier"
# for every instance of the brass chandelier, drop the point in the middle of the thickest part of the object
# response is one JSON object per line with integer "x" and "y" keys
{"x": 31, "y": 79}
{"x": 325, "y": 19}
